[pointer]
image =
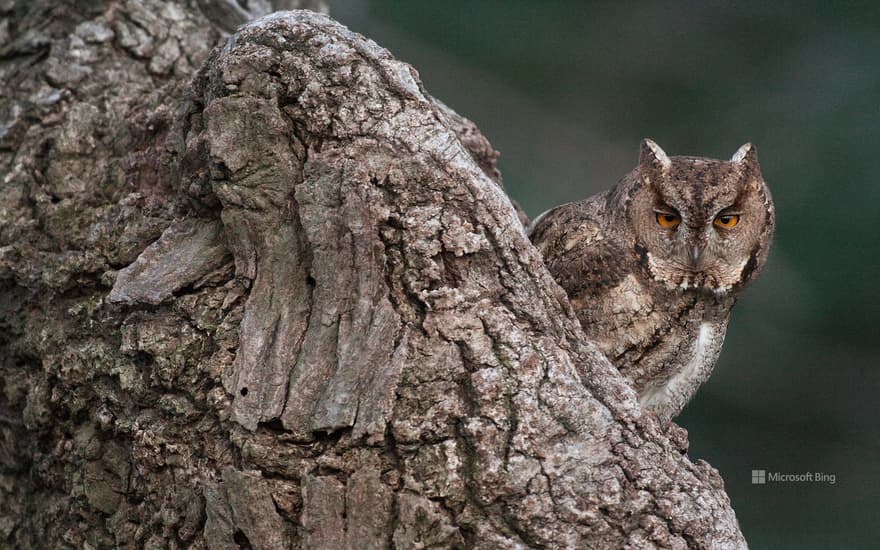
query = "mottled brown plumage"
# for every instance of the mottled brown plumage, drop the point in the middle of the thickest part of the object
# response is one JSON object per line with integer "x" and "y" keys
{"x": 653, "y": 265}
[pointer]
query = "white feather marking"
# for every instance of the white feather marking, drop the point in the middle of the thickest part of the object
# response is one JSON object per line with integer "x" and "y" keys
{"x": 680, "y": 381}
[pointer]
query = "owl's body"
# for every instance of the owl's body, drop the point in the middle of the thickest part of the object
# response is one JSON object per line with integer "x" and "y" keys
{"x": 653, "y": 266}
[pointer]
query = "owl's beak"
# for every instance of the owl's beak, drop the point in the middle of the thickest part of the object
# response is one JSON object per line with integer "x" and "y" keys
{"x": 695, "y": 254}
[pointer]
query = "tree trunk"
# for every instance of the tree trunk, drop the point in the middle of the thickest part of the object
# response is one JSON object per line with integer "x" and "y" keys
{"x": 285, "y": 302}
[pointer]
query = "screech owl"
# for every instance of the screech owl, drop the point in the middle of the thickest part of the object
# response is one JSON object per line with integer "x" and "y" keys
{"x": 653, "y": 266}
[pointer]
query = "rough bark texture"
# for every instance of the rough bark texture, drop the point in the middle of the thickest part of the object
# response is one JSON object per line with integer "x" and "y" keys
{"x": 290, "y": 305}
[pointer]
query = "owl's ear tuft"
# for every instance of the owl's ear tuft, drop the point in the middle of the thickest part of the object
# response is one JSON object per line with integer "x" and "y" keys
{"x": 746, "y": 157}
{"x": 652, "y": 157}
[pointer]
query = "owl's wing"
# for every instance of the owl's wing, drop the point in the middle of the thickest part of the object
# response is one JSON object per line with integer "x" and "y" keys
{"x": 578, "y": 249}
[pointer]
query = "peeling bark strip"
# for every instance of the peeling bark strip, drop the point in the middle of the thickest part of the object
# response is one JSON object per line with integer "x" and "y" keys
{"x": 393, "y": 286}
{"x": 289, "y": 307}
{"x": 186, "y": 252}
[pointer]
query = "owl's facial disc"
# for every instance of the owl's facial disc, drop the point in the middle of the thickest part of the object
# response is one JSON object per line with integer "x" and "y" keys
{"x": 698, "y": 223}
{"x": 693, "y": 250}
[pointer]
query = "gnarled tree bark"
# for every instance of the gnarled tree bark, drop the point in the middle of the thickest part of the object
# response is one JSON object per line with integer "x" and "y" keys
{"x": 290, "y": 305}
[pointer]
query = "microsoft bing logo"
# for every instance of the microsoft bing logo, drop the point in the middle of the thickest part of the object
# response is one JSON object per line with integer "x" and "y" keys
{"x": 763, "y": 477}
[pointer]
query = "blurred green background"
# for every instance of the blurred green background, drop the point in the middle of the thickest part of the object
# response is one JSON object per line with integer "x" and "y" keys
{"x": 566, "y": 90}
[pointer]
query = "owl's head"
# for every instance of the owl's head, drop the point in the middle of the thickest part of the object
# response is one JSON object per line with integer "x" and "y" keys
{"x": 700, "y": 223}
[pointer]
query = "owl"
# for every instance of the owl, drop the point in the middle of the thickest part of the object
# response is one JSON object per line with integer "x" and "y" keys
{"x": 653, "y": 266}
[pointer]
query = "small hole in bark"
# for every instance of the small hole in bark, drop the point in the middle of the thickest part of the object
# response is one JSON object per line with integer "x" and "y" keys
{"x": 243, "y": 392}
{"x": 310, "y": 281}
{"x": 241, "y": 539}
{"x": 274, "y": 425}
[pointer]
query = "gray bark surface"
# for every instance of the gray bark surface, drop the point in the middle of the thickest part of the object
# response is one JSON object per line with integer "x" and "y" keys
{"x": 284, "y": 301}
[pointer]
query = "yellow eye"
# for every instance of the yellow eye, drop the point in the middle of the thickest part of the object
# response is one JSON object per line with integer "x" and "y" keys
{"x": 668, "y": 221}
{"x": 726, "y": 221}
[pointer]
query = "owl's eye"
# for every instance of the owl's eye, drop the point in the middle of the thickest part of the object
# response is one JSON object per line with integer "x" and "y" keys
{"x": 726, "y": 221}
{"x": 668, "y": 221}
